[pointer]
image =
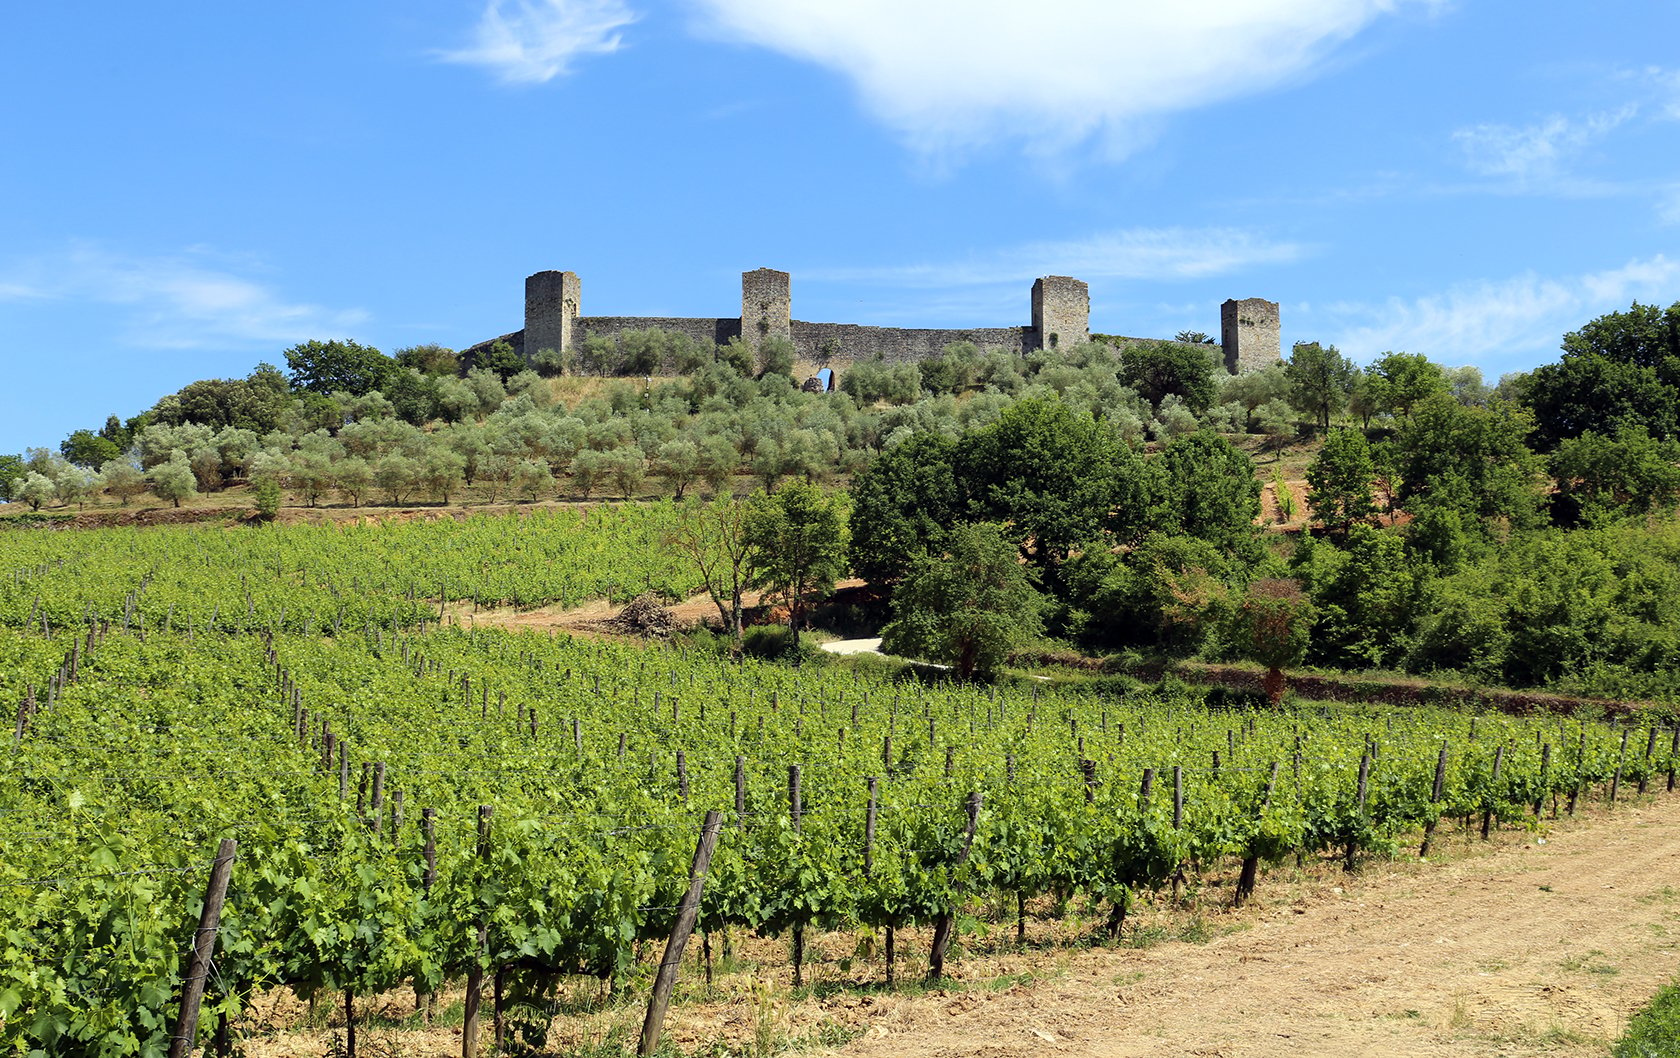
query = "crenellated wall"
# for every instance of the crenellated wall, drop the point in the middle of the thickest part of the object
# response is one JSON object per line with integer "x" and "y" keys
{"x": 1060, "y": 308}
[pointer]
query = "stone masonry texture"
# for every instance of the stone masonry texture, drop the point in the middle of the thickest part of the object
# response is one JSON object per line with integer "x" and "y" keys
{"x": 1060, "y": 306}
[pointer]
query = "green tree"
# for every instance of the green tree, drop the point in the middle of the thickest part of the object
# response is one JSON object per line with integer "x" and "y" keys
{"x": 331, "y": 366}
{"x": 11, "y": 476}
{"x": 1473, "y": 459}
{"x": 677, "y": 462}
{"x": 354, "y": 477}
{"x": 1339, "y": 480}
{"x": 122, "y": 479}
{"x": 1320, "y": 378}
{"x": 498, "y": 357}
{"x": 1365, "y": 596}
{"x": 1621, "y": 369}
{"x": 1058, "y": 477}
{"x": 1401, "y": 380}
{"x": 967, "y": 608}
{"x": 37, "y": 489}
{"x": 1204, "y": 486}
{"x": 713, "y": 537}
{"x": 531, "y": 478}
{"x": 85, "y": 448}
{"x": 1157, "y": 369}
{"x": 902, "y": 505}
{"x": 798, "y": 537}
{"x": 775, "y": 356}
{"x": 429, "y": 359}
{"x": 174, "y": 480}
{"x": 1602, "y": 478}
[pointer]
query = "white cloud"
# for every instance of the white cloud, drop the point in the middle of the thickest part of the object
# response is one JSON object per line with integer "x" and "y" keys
{"x": 1136, "y": 253}
{"x": 1503, "y": 324}
{"x": 184, "y": 301}
{"x": 950, "y": 74}
{"x": 1536, "y": 153}
{"x": 534, "y": 41}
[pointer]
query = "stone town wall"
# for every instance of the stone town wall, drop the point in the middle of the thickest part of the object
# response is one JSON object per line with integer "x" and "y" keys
{"x": 1060, "y": 306}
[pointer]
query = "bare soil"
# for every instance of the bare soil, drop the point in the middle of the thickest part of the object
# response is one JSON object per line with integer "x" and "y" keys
{"x": 1533, "y": 950}
{"x": 1537, "y": 943}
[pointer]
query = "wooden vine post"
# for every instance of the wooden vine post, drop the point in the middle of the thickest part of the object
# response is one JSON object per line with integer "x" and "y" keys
{"x": 204, "y": 946}
{"x": 687, "y": 912}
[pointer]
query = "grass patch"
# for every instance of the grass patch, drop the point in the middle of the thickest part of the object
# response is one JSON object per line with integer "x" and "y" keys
{"x": 1655, "y": 1031}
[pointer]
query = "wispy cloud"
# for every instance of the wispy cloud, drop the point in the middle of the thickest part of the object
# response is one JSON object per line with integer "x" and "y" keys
{"x": 1537, "y": 154}
{"x": 535, "y": 41}
{"x": 949, "y": 75}
{"x": 1499, "y": 324}
{"x": 181, "y": 301}
{"x": 1136, "y": 253}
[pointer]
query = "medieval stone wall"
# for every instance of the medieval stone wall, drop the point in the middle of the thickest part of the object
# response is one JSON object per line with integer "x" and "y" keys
{"x": 1060, "y": 306}
{"x": 824, "y": 343}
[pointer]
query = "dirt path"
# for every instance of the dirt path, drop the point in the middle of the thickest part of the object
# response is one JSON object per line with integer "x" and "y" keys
{"x": 1537, "y": 949}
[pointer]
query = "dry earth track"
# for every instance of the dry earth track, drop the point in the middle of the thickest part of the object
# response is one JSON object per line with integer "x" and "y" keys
{"x": 1537, "y": 949}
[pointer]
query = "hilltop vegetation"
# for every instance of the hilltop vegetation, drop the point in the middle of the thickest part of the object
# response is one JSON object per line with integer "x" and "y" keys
{"x": 1518, "y": 535}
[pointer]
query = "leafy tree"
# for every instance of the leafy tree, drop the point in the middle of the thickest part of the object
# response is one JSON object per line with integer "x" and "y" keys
{"x": 1194, "y": 337}
{"x": 85, "y": 448}
{"x": 713, "y": 537}
{"x": 1166, "y": 593}
{"x": 1320, "y": 379}
{"x": 628, "y": 469}
{"x": 266, "y": 498}
{"x": 1620, "y": 370}
{"x": 1365, "y": 598}
{"x": 589, "y": 469}
{"x": 498, "y": 358}
{"x": 259, "y": 402}
{"x": 1467, "y": 386}
{"x": 354, "y": 477}
{"x": 1058, "y": 477}
{"x": 36, "y": 489}
{"x": 174, "y": 480}
{"x": 967, "y": 608}
{"x": 430, "y": 359}
{"x": 775, "y": 356}
{"x": 397, "y": 474}
{"x": 1204, "y": 486}
{"x": 414, "y": 395}
{"x": 442, "y": 472}
{"x": 1401, "y": 380}
{"x": 1272, "y": 624}
{"x": 798, "y": 537}
{"x": 1602, "y": 478}
{"x": 11, "y": 476}
{"x": 327, "y": 367}
{"x": 677, "y": 462}
{"x": 902, "y": 505}
{"x": 532, "y": 478}
{"x": 1472, "y": 459}
{"x": 1339, "y": 480}
{"x": 718, "y": 462}
{"x": 1157, "y": 369}
{"x": 122, "y": 479}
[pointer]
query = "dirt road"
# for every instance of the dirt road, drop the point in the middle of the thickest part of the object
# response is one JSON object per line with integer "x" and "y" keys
{"x": 1537, "y": 949}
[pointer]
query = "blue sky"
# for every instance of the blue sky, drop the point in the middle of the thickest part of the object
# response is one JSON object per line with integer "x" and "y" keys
{"x": 191, "y": 187}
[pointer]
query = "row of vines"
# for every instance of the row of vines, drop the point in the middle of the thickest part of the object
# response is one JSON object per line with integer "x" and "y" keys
{"x": 413, "y": 807}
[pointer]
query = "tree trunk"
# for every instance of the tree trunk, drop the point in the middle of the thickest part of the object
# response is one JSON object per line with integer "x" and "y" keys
{"x": 1245, "y": 881}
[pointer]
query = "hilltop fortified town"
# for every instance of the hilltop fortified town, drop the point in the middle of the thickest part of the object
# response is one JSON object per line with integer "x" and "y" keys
{"x": 1060, "y": 313}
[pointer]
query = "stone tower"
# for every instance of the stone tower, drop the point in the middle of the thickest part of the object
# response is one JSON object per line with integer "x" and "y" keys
{"x": 1061, "y": 311}
{"x": 766, "y": 306}
{"x": 551, "y": 310}
{"x": 1248, "y": 329}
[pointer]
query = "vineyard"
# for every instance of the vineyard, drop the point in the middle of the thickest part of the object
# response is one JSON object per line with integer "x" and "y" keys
{"x": 416, "y": 806}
